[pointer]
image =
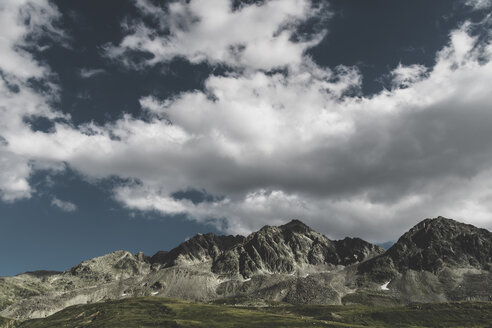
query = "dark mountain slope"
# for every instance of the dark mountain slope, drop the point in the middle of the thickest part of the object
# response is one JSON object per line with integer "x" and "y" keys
{"x": 198, "y": 249}
{"x": 289, "y": 248}
{"x": 432, "y": 245}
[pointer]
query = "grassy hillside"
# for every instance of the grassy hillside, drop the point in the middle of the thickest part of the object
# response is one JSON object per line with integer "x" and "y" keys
{"x": 460, "y": 314}
{"x": 160, "y": 312}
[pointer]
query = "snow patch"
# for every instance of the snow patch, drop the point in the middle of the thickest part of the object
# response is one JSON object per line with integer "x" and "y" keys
{"x": 385, "y": 286}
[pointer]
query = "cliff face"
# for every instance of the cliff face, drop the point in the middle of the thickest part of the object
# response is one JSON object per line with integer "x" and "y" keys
{"x": 199, "y": 249}
{"x": 432, "y": 245}
{"x": 290, "y": 248}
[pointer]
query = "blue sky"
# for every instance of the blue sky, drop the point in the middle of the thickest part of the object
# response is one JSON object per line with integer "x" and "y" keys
{"x": 137, "y": 124}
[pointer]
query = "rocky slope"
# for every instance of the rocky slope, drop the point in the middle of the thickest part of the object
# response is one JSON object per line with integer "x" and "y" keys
{"x": 37, "y": 294}
{"x": 199, "y": 249}
{"x": 290, "y": 248}
{"x": 437, "y": 260}
{"x": 433, "y": 245}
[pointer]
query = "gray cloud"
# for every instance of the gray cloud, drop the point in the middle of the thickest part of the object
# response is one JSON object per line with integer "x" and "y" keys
{"x": 86, "y": 73}
{"x": 63, "y": 205}
{"x": 479, "y": 4}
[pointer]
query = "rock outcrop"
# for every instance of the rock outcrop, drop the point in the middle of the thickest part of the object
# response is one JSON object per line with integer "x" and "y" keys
{"x": 198, "y": 249}
{"x": 431, "y": 246}
{"x": 290, "y": 248}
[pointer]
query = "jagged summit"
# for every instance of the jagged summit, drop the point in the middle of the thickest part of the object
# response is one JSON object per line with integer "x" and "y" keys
{"x": 436, "y": 242}
{"x": 296, "y": 225}
{"x": 281, "y": 249}
{"x": 432, "y": 245}
{"x": 198, "y": 249}
{"x": 440, "y": 228}
{"x": 116, "y": 265}
{"x": 289, "y": 248}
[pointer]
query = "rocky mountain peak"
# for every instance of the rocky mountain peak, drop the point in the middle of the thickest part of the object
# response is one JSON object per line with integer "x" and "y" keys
{"x": 297, "y": 226}
{"x": 433, "y": 242}
{"x": 198, "y": 249}
{"x": 289, "y": 248}
{"x": 109, "y": 267}
{"x": 432, "y": 245}
{"x": 434, "y": 225}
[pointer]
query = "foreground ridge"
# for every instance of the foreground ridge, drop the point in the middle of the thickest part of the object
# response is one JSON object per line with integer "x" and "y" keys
{"x": 162, "y": 312}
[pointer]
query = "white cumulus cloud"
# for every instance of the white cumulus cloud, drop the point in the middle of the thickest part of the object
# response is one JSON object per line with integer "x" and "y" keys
{"x": 18, "y": 21}
{"x": 258, "y": 36}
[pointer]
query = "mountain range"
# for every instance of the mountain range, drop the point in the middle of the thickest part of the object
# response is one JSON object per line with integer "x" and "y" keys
{"x": 438, "y": 260}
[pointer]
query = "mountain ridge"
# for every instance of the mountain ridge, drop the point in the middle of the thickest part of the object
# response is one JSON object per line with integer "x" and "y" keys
{"x": 437, "y": 260}
{"x": 434, "y": 243}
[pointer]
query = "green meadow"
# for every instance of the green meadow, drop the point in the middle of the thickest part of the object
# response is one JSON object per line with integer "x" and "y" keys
{"x": 147, "y": 312}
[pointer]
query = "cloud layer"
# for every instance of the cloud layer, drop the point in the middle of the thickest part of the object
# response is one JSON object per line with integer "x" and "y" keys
{"x": 278, "y": 136}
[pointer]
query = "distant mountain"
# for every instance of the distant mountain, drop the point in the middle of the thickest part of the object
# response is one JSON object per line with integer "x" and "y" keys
{"x": 437, "y": 260}
{"x": 386, "y": 245}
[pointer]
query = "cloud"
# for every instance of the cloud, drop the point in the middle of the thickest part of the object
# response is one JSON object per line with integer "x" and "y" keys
{"x": 86, "y": 73}
{"x": 291, "y": 145}
{"x": 14, "y": 172}
{"x": 22, "y": 24}
{"x": 479, "y": 4}
{"x": 258, "y": 36}
{"x": 63, "y": 205}
{"x": 269, "y": 145}
{"x": 405, "y": 76}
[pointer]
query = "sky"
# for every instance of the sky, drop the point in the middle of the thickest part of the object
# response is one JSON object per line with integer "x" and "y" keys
{"x": 137, "y": 124}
